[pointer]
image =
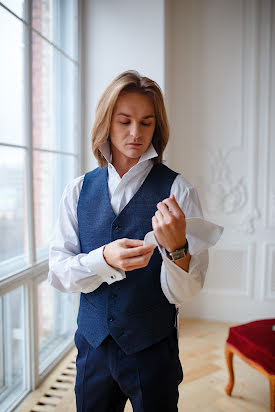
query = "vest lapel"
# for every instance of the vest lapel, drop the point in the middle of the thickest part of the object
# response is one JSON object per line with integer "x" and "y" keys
{"x": 106, "y": 188}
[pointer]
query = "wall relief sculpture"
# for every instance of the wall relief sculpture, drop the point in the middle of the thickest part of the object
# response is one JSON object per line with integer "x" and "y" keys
{"x": 223, "y": 194}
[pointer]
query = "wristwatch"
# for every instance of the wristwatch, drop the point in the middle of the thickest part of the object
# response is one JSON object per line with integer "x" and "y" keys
{"x": 178, "y": 253}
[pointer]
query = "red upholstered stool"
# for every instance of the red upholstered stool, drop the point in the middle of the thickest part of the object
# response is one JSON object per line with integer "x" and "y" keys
{"x": 253, "y": 342}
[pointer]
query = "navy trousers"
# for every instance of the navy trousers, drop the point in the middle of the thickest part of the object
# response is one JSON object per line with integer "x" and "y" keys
{"x": 107, "y": 377}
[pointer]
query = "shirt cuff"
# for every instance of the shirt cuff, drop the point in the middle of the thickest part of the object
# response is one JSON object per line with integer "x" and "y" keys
{"x": 200, "y": 233}
{"x": 96, "y": 263}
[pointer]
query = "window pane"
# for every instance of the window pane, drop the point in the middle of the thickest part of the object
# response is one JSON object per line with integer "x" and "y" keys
{"x": 65, "y": 33}
{"x": 12, "y": 85}
{"x": 57, "y": 314}
{"x": 17, "y": 6}
{"x": 57, "y": 21}
{"x": 12, "y": 348}
{"x": 51, "y": 173}
{"x": 13, "y": 220}
{"x": 54, "y": 98}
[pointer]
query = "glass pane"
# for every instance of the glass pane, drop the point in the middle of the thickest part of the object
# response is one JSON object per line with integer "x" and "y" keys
{"x": 54, "y": 84}
{"x": 12, "y": 348}
{"x": 13, "y": 219}
{"x": 12, "y": 84}
{"x": 57, "y": 314}
{"x": 51, "y": 173}
{"x": 57, "y": 21}
{"x": 17, "y": 6}
{"x": 65, "y": 31}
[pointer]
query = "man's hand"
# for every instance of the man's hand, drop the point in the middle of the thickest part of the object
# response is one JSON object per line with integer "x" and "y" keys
{"x": 128, "y": 254}
{"x": 169, "y": 224}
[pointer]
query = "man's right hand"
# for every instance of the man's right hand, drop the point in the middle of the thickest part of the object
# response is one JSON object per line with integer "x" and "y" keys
{"x": 128, "y": 254}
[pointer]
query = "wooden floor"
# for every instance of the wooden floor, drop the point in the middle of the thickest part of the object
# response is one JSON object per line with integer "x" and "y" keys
{"x": 205, "y": 377}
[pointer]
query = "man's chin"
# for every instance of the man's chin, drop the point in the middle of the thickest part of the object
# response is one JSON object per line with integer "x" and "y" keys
{"x": 133, "y": 154}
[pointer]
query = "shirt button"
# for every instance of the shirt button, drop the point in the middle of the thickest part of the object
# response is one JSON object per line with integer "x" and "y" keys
{"x": 113, "y": 277}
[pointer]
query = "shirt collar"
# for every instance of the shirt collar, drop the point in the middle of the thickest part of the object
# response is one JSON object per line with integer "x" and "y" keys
{"x": 105, "y": 149}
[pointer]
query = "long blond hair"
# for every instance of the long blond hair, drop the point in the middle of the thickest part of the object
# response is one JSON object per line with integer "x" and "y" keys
{"x": 129, "y": 80}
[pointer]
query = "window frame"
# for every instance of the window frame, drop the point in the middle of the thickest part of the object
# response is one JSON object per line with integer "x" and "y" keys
{"x": 31, "y": 276}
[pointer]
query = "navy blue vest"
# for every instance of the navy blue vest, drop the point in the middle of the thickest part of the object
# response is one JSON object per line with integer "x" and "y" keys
{"x": 134, "y": 310}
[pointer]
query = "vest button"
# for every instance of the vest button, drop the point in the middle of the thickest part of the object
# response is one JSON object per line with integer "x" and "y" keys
{"x": 116, "y": 226}
{"x": 111, "y": 319}
{"x": 113, "y": 295}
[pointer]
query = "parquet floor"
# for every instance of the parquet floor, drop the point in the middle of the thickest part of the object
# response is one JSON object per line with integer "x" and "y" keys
{"x": 205, "y": 377}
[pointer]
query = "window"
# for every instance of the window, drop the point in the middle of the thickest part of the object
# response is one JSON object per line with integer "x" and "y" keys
{"x": 13, "y": 361}
{"x": 56, "y": 312}
{"x": 40, "y": 153}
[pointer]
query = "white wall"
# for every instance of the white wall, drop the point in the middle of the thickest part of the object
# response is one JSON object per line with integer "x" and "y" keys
{"x": 118, "y": 35}
{"x": 220, "y": 79}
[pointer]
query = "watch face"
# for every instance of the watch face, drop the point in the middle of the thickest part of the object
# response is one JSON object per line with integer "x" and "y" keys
{"x": 180, "y": 253}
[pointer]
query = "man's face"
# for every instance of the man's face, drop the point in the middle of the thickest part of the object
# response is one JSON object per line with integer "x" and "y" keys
{"x": 132, "y": 126}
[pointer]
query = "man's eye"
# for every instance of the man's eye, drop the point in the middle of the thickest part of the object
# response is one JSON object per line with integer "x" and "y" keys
{"x": 143, "y": 124}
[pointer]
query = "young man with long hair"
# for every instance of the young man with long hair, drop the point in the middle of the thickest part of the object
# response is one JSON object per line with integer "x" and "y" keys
{"x": 104, "y": 246}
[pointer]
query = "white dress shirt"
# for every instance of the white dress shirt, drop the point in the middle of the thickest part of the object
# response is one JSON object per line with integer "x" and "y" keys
{"x": 73, "y": 271}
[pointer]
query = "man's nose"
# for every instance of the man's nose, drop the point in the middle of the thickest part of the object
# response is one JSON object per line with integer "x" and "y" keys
{"x": 135, "y": 130}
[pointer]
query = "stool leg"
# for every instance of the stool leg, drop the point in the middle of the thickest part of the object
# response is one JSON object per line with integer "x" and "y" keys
{"x": 272, "y": 393}
{"x": 229, "y": 361}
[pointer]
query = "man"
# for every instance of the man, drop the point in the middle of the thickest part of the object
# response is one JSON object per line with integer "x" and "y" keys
{"x": 126, "y": 338}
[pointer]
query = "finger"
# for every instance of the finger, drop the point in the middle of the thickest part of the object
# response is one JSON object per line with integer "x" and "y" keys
{"x": 131, "y": 242}
{"x": 159, "y": 216}
{"x": 173, "y": 206}
{"x": 137, "y": 262}
{"x": 137, "y": 251}
{"x": 163, "y": 208}
{"x": 154, "y": 223}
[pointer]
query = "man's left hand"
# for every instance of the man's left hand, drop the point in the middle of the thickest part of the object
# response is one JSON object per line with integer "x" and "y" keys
{"x": 169, "y": 224}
